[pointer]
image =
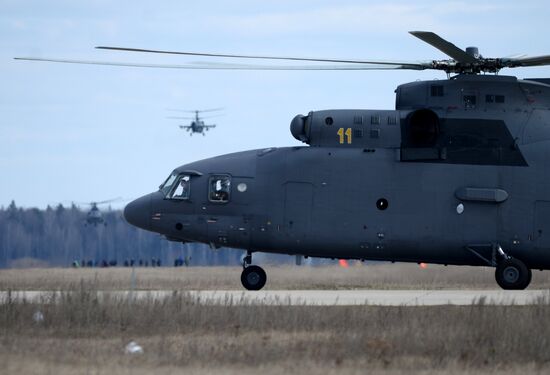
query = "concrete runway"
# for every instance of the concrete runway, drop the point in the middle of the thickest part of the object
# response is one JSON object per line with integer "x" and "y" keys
{"x": 319, "y": 297}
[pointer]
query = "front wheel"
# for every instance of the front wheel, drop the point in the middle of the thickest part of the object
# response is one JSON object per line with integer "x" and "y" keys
{"x": 512, "y": 274}
{"x": 253, "y": 278}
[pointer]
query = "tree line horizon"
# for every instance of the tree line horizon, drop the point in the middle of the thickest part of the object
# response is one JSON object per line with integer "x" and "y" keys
{"x": 58, "y": 236}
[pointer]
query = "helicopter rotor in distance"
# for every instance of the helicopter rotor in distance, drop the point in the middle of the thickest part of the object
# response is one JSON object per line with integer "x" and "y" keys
{"x": 197, "y": 124}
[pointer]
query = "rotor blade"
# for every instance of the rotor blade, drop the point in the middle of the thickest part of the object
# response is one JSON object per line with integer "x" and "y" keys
{"x": 180, "y": 118}
{"x": 446, "y": 47}
{"x": 212, "y": 116}
{"x": 211, "y": 66}
{"x": 211, "y": 109}
{"x": 179, "y": 110}
{"x": 182, "y": 111}
{"x": 288, "y": 58}
{"x": 345, "y": 66}
{"x": 108, "y": 200}
{"x": 193, "y": 111}
{"x": 514, "y": 56}
{"x": 526, "y": 61}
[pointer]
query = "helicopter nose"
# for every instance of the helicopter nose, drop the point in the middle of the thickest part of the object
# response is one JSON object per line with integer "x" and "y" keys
{"x": 138, "y": 212}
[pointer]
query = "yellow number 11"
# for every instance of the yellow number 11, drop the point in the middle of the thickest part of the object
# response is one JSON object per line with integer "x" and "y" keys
{"x": 341, "y": 134}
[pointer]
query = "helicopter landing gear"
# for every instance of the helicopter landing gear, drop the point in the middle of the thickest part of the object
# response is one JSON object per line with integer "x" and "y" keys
{"x": 253, "y": 277}
{"x": 512, "y": 273}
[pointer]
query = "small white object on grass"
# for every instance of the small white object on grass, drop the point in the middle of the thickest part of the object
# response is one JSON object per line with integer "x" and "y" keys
{"x": 133, "y": 348}
{"x": 38, "y": 317}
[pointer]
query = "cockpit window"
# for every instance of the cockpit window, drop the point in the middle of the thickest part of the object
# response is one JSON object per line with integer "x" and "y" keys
{"x": 167, "y": 185}
{"x": 177, "y": 186}
{"x": 219, "y": 188}
{"x": 182, "y": 188}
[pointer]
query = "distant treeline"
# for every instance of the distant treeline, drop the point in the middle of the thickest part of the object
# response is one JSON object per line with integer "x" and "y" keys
{"x": 59, "y": 236}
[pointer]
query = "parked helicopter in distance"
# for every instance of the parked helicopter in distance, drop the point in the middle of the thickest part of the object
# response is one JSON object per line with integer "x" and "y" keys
{"x": 197, "y": 124}
{"x": 455, "y": 174}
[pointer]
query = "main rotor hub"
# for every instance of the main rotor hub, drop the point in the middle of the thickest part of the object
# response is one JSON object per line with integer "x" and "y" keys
{"x": 473, "y": 51}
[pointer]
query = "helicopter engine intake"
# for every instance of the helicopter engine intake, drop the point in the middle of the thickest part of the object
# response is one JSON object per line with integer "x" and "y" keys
{"x": 298, "y": 128}
{"x": 422, "y": 128}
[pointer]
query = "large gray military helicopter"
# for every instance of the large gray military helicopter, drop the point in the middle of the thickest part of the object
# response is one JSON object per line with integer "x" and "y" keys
{"x": 197, "y": 124}
{"x": 456, "y": 174}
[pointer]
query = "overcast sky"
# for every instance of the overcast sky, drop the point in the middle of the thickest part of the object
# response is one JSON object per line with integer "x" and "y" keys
{"x": 88, "y": 133}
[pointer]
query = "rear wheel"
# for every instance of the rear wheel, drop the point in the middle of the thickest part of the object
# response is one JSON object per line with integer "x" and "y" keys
{"x": 512, "y": 274}
{"x": 253, "y": 278}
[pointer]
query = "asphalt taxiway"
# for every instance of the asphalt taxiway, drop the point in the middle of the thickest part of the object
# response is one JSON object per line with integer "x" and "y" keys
{"x": 314, "y": 297}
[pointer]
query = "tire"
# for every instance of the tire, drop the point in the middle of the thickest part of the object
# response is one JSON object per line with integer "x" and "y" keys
{"x": 253, "y": 278}
{"x": 512, "y": 274}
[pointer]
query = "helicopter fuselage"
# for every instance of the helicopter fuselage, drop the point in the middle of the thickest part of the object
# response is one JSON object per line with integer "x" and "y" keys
{"x": 456, "y": 174}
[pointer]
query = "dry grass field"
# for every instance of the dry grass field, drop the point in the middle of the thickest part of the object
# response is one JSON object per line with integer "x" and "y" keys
{"x": 360, "y": 276}
{"x": 82, "y": 333}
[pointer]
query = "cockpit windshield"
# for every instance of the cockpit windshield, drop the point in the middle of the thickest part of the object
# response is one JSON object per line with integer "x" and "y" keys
{"x": 177, "y": 186}
{"x": 182, "y": 188}
{"x": 167, "y": 185}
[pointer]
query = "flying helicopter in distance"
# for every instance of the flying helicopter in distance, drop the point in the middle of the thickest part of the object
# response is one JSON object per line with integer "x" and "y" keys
{"x": 94, "y": 216}
{"x": 197, "y": 124}
{"x": 455, "y": 174}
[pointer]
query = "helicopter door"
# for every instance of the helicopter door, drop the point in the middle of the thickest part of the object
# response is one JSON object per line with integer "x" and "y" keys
{"x": 298, "y": 204}
{"x": 242, "y": 195}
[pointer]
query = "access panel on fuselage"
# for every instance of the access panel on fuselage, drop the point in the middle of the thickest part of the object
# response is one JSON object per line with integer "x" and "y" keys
{"x": 297, "y": 205}
{"x": 542, "y": 225}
